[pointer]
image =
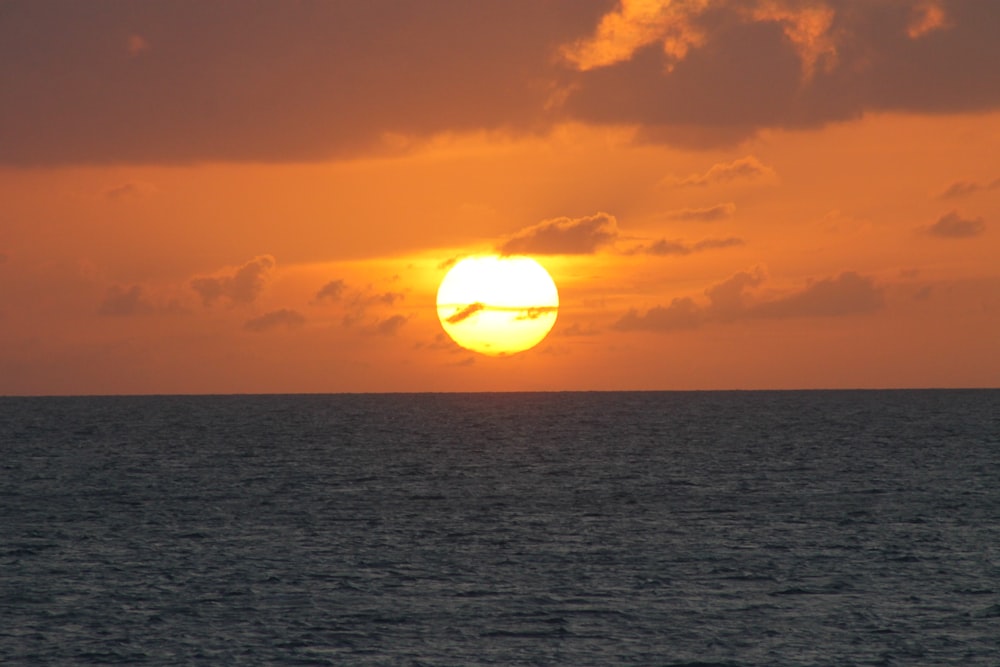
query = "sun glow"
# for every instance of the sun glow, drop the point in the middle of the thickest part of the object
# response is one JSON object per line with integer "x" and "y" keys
{"x": 497, "y": 305}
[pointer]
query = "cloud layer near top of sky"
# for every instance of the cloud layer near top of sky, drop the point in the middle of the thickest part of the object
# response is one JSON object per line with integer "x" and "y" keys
{"x": 168, "y": 82}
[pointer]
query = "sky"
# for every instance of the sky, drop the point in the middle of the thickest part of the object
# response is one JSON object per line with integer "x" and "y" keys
{"x": 263, "y": 196}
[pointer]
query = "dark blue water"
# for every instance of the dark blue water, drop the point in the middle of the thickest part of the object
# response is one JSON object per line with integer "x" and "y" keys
{"x": 754, "y": 528}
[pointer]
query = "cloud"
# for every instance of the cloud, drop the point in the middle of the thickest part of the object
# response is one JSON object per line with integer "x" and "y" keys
{"x": 954, "y": 226}
{"x": 576, "y": 330}
{"x": 121, "y": 302}
{"x": 564, "y": 236}
{"x": 130, "y": 189}
{"x": 465, "y": 313}
{"x": 535, "y": 312}
{"x": 332, "y": 291}
{"x": 746, "y": 168}
{"x": 243, "y": 285}
{"x": 3, "y": 257}
{"x": 846, "y": 294}
{"x": 707, "y": 214}
{"x": 276, "y": 318}
{"x": 390, "y": 325}
{"x": 315, "y": 81}
{"x": 713, "y": 73}
{"x": 682, "y": 313}
{"x": 926, "y": 17}
{"x": 963, "y": 188}
{"x": 664, "y": 247}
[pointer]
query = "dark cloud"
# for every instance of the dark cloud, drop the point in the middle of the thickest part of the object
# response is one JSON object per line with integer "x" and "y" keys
{"x": 243, "y": 285}
{"x": 954, "y": 226}
{"x": 166, "y": 82}
{"x": 276, "y": 318}
{"x": 706, "y": 214}
{"x": 332, "y": 291}
{"x": 847, "y": 294}
{"x": 161, "y": 81}
{"x": 391, "y": 325}
{"x": 465, "y": 313}
{"x": 564, "y": 236}
{"x": 121, "y": 302}
{"x": 664, "y": 247}
{"x": 536, "y": 312}
{"x": 711, "y": 74}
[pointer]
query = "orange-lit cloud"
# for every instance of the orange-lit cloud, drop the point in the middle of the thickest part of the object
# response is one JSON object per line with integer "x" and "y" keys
{"x": 847, "y": 294}
{"x": 390, "y": 325}
{"x": 284, "y": 317}
{"x": 564, "y": 236}
{"x": 704, "y": 214}
{"x": 926, "y": 17}
{"x": 963, "y": 188}
{"x": 677, "y": 247}
{"x": 120, "y": 302}
{"x": 954, "y": 226}
{"x": 242, "y": 285}
{"x": 746, "y": 168}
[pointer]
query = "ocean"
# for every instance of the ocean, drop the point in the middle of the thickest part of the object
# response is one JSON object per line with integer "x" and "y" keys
{"x": 634, "y": 528}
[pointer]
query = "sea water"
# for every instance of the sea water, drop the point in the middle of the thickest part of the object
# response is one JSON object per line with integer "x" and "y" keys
{"x": 709, "y": 528}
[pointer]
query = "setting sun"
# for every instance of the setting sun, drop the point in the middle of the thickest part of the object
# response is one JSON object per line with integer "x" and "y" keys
{"x": 497, "y": 305}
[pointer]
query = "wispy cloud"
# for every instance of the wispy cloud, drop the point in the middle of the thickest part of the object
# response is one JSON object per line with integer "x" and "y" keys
{"x": 954, "y": 226}
{"x": 284, "y": 317}
{"x": 746, "y": 168}
{"x": 665, "y": 247}
{"x": 846, "y": 294}
{"x": 963, "y": 188}
{"x": 706, "y": 214}
{"x": 564, "y": 236}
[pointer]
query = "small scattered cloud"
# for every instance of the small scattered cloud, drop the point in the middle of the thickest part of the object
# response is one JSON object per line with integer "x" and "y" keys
{"x": 128, "y": 190}
{"x": 332, "y": 291}
{"x": 964, "y": 188}
{"x": 575, "y": 330}
{"x": 846, "y": 294}
{"x": 447, "y": 264}
{"x": 3, "y": 257}
{"x": 284, "y": 317}
{"x": 243, "y": 285}
{"x": 124, "y": 302}
{"x": 706, "y": 214}
{"x": 564, "y": 236}
{"x": 465, "y": 313}
{"x": 747, "y": 168}
{"x": 535, "y": 312}
{"x": 391, "y": 325}
{"x": 665, "y": 247}
{"x": 954, "y": 226}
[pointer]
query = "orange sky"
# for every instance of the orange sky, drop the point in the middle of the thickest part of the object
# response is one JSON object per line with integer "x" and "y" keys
{"x": 222, "y": 197}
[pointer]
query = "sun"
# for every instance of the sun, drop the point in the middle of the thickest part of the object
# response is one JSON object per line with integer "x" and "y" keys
{"x": 497, "y": 305}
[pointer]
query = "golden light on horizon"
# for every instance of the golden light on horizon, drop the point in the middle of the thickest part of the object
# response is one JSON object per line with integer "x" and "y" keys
{"x": 497, "y": 305}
